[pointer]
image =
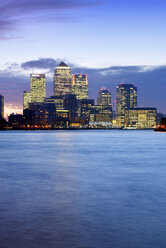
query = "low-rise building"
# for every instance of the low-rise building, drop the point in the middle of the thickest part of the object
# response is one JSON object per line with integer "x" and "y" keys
{"x": 140, "y": 118}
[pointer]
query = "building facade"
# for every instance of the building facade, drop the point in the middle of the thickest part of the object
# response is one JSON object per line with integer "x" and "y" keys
{"x": 62, "y": 80}
{"x": 104, "y": 97}
{"x": 1, "y": 106}
{"x": 37, "y": 91}
{"x": 80, "y": 86}
{"x": 126, "y": 99}
{"x": 59, "y": 101}
{"x": 140, "y": 118}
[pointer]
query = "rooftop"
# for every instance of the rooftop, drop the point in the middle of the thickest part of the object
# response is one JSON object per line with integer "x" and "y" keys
{"x": 62, "y": 64}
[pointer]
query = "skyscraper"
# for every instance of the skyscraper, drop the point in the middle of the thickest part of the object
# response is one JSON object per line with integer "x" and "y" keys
{"x": 37, "y": 92}
{"x": 80, "y": 86}
{"x": 1, "y": 106}
{"x": 104, "y": 97}
{"x": 126, "y": 99}
{"x": 62, "y": 80}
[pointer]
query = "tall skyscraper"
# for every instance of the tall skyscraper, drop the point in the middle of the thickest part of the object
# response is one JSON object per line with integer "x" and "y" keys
{"x": 104, "y": 97}
{"x": 80, "y": 86}
{"x": 1, "y": 106}
{"x": 37, "y": 91}
{"x": 126, "y": 99}
{"x": 62, "y": 80}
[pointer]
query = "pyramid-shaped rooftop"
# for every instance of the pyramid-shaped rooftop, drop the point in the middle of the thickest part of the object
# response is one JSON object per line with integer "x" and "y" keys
{"x": 63, "y": 64}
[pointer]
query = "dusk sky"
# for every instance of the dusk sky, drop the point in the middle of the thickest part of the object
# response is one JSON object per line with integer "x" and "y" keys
{"x": 111, "y": 41}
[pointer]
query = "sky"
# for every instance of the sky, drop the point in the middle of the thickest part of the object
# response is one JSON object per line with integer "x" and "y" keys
{"x": 111, "y": 41}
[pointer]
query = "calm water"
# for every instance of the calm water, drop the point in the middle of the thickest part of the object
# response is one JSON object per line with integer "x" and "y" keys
{"x": 83, "y": 189}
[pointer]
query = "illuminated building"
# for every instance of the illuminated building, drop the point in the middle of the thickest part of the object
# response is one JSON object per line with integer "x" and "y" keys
{"x": 80, "y": 86}
{"x": 27, "y": 99}
{"x": 59, "y": 101}
{"x": 1, "y": 106}
{"x": 40, "y": 114}
{"x": 101, "y": 113}
{"x": 38, "y": 87}
{"x": 62, "y": 80}
{"x": 140, "y": 118}
{"x": 84, "y": 109}
{"x": 65, "y": 102}
{"x": 16, "y": 120}
{"x": 126, "y": 98}
{"x": 37, "y": 91}
{"x": 71, "y": 104}
{"x": 104, "y": 97}
{"x": 62, "y": 118}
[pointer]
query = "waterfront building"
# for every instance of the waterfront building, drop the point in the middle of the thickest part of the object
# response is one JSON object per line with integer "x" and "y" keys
{"x": 62, "y": 119}
{"x": 62, "y": 80}
{"x": 126, "y": 99}
{"x": 140, "y": 118}
{"x": 37, "y": 91}
{"x": 40, "y": 115}
{"x": 71, "y": 104}
{"x": 102, "y": 114}
{"x": 65, "y": 102}
{"x": 103, "y": 111}
{"x": 80, "y": 86}
{"x": 16, "y": 121}
{"x": 1, "y": 106}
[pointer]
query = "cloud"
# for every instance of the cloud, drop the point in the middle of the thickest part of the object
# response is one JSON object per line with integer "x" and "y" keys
{"x": 43, "y": 63}
{"x": 13, "y": 12}
{"x": 151, "y": 81}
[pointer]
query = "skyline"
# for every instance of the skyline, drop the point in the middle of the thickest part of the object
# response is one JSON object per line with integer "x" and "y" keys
{"x": 112, "y": 42}
{"x": 149, "y": 95}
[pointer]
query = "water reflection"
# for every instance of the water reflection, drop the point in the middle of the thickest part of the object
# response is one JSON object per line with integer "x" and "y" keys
{"x": 87, "y": 189}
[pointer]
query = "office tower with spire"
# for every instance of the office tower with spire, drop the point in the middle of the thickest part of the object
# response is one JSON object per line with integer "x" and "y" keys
{"x": 1, "y": 106}
{"x": 62, "y": 80}
{"x": 80, "y": 86}
{"x": 37, "y": 91}
{"x": 126, "y": 99}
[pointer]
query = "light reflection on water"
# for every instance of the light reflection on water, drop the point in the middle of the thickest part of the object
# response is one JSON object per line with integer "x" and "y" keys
{"x": 82, "y": 189}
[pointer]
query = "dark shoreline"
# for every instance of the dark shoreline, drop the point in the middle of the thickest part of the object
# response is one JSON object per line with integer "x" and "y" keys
{"x": 74, "y": 129}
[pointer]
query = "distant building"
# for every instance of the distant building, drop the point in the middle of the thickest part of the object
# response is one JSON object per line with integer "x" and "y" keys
{"x": 62, "y": 80}
{"x": 126, "y": 99}
{"x": 140, "y": 118}
{"x": 27, "y": 99}
{"x": 62, "y": 119}
{"x": 65, "y": 102}
{"x": 40, "y": 115}
{"x": 85, "y": 108}
{"x": 80, "y": 86}
{"x": 59, "y": 101}
{"x": 37, "y": 91}
{"x": 104, "y": 97}
{"x": 16, "y": 121}
{"x": 103, "y": 111}
{"x": 1, "y": 106}
{"x": 101, "y": 114}
{"x": 71, "y": 104}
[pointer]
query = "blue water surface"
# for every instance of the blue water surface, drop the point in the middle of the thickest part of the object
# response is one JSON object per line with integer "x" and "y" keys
{"x": 82, "y": 189}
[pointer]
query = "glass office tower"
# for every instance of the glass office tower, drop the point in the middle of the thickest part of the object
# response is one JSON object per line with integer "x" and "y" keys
{"x": 62, "y": 80}
{"x": 37, "y": 91}
{"x": 126, "y": 99}
{"x": 80, "y": 86}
